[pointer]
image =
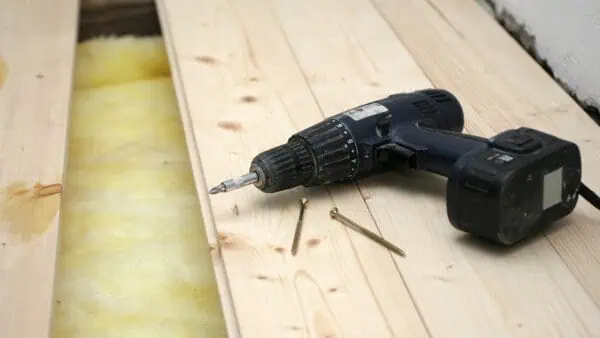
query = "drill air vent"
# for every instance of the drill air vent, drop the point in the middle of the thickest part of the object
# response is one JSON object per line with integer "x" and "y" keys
{"x": 438, "y": 96}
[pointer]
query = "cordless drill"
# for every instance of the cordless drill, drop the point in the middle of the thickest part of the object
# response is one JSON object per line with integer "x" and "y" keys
{"x": 503, "y": 189}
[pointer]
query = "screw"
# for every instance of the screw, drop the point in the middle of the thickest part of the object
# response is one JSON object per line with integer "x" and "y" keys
{"x": 335, "y": 214}
{"x": 298, "y": 231}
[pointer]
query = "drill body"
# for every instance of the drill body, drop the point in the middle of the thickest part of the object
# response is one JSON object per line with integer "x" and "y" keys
{"x": 503, "y": 189}
{"x": 367, "y": 140}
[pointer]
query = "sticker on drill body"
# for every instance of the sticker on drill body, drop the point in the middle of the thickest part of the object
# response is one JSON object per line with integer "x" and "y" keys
{"x": 499, "y": 158}
{"x": 365, "y": 111}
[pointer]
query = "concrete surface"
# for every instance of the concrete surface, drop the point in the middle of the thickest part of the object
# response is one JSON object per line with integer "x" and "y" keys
{"x": 564, "y": 35}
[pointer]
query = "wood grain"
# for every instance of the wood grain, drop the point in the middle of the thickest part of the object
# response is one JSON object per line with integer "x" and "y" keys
{"x": 253, "y": 72}
{"x": 37, "y": 42}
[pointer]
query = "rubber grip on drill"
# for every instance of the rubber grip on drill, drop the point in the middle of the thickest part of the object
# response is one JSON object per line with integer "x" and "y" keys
{"x": 335, "y": 153}
{"x": 283, "y": 167}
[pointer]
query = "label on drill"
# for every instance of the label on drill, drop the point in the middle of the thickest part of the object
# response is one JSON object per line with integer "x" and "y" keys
{"x": 365, "y": 111}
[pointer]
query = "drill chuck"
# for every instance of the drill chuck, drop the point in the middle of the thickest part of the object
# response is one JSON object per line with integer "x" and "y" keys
{"x": 323, "y": 153}
{"x": 283, "y": 167}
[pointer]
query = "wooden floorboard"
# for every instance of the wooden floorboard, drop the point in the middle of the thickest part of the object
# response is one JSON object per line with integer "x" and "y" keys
{"x": 251, "y": 95}
{"x": 37, "y": 43}
{"x": 250, "y": 73}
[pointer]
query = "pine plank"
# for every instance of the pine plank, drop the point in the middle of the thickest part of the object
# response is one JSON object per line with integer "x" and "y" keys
{"x": 507, "y": 88}
{"x": 37, "y": 42}
{"x": 246, "y": 80}
{"x": 245, "y": 66}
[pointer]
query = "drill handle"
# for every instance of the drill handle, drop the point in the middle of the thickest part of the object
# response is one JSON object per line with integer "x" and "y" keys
{"x": 424, "y": 147}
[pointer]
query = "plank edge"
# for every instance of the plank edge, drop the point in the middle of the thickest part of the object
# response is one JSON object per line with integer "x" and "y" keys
{"x": 226, "y": 300}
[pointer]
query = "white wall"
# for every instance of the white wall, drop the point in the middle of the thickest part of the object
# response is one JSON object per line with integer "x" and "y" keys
{"x": 567, "y": 36}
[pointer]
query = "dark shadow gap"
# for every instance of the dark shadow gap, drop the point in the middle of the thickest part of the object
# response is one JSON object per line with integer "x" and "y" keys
{"x": 119, "y": 20}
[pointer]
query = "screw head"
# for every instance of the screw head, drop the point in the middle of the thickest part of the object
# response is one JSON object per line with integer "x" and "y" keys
{"x": 333, "y": 212}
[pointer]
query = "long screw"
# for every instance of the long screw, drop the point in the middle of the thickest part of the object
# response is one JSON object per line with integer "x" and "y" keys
{"x": 335, "y": 214}
{"x": 299, "y": 224}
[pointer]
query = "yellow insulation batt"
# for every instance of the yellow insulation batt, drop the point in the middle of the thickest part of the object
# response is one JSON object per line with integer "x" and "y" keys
{"x": 134, "y": 259}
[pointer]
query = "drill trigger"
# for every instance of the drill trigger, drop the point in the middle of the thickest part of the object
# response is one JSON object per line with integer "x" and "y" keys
{"x": 401, "y": 153}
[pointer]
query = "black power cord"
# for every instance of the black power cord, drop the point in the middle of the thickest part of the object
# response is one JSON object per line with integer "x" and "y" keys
{"x": 589, "y": 195}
